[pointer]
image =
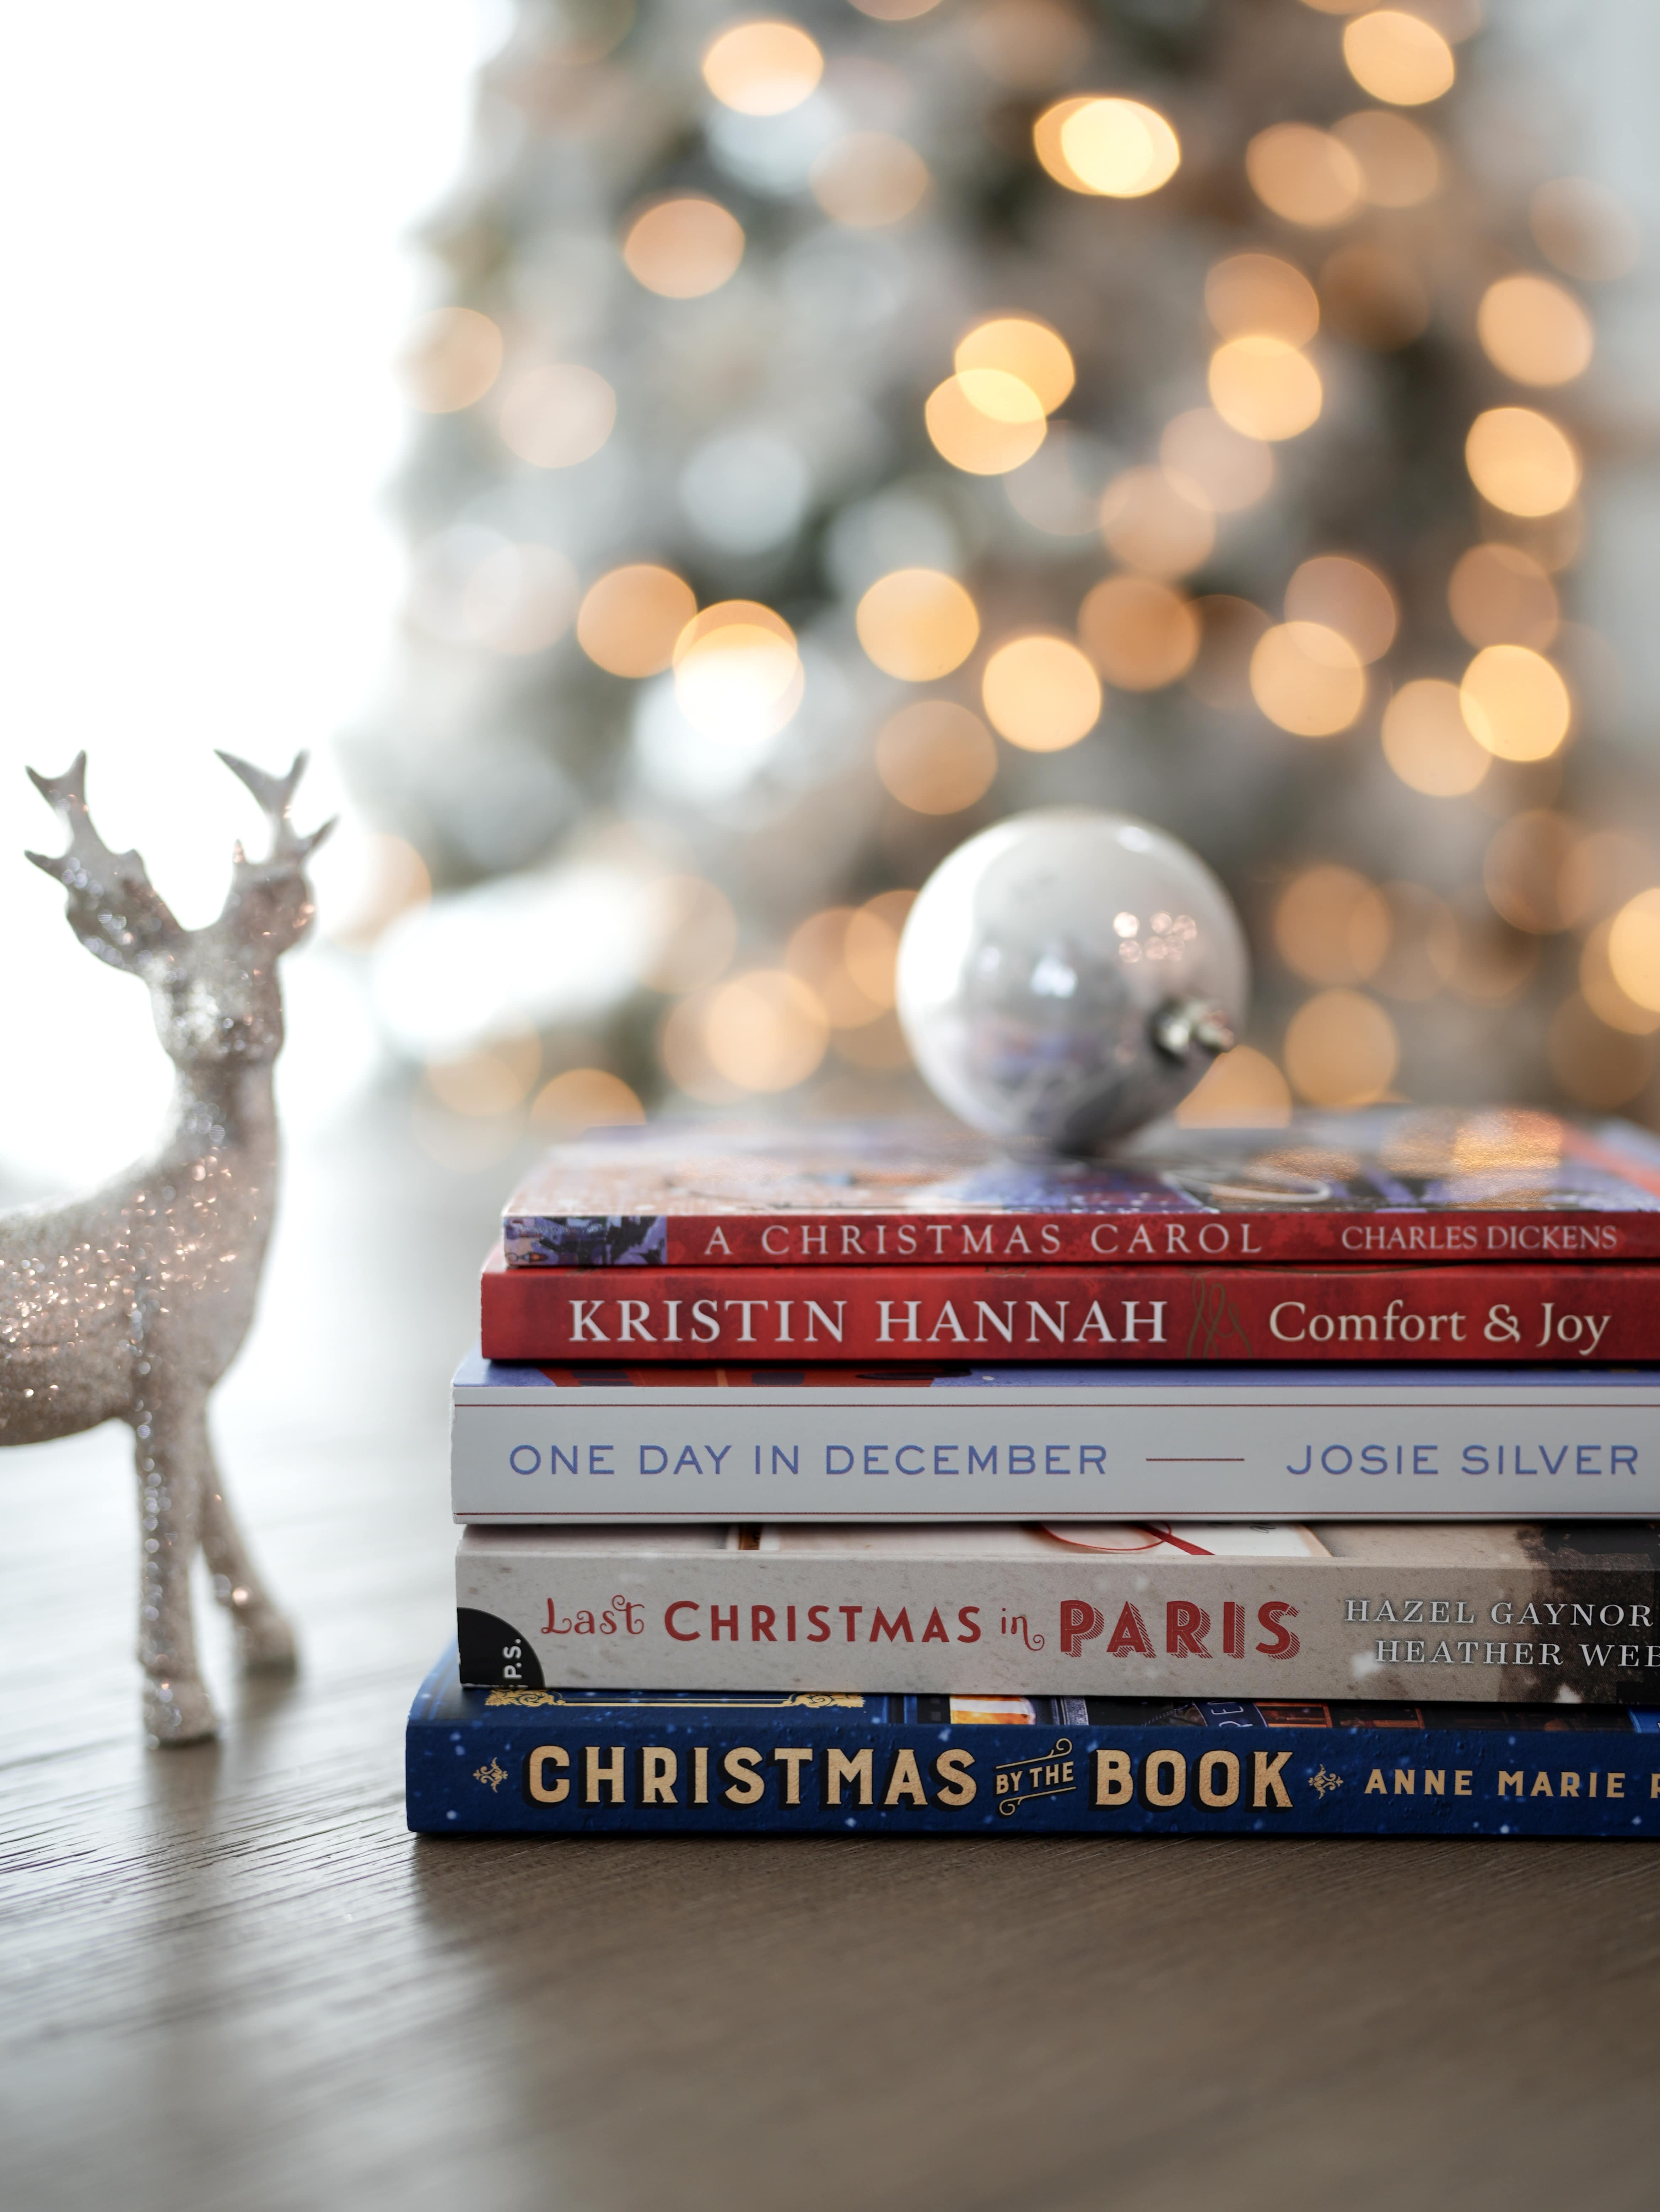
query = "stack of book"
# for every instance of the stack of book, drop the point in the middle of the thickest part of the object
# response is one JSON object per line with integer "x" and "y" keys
{"x": 856, "y": 1480}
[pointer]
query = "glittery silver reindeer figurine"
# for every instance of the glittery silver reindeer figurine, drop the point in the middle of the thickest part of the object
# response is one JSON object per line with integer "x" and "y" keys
{"x": 129, "y": 1303}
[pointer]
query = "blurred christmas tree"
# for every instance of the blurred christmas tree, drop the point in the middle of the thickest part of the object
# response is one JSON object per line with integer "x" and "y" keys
{"x": 845, "y": 429}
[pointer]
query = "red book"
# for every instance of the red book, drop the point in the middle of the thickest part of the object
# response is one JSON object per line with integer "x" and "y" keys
{"x": 1397, "y": 1183}
{"x": 1093, "y": 1316}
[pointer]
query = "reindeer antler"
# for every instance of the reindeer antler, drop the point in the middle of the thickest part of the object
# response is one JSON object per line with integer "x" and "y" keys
{"x": 113, "y": 907}
{"x": 276, "y": 796}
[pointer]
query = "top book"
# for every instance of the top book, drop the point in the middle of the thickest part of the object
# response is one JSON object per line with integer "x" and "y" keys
{"x": 1382, "y": 1184}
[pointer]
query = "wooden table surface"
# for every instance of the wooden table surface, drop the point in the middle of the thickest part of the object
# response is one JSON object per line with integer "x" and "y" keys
{"x": 232, "y": 1978}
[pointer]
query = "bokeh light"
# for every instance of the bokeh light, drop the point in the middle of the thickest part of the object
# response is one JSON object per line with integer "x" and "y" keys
{"x": 1398, "y": 58}
{"x": 873, "y": 943}
{"x": 738, "y": 672}
{"x": 493, "y": 1078}
{"x": 450, "y": 359}
{"x": 895, "y": 11}
{"x": 1586, "y": 230}
{"x": 1347, "y": 596}
{"x": 1602, "y": 871}
{"x": 1499, "y": 595}
{"x": 693, "y": 936}
{"x": 986, "y": 422}
{"x": 1029, "y": 45}
{"x": 1522, "y": 868}
{"x": 631, "y": 617}
{"x": 935, "y": 757}
{"x": 1521, "y": 462}
{"x": 869, "y": 179}
{"x": 1242, "y": 1089}
{"x": 1534, "y": 330}
{"x": 817, "y": 952}
{"x": 1427, "y": 742}
{"x": 765, "y": 1032}
{"x": 519, "y": 598}
{"x": 1331, "y": 925}
{"x": 684, "y": 247}
{"x": 1516, "y": 702}
{"x": 557, "y": 416}
{"x": 1304, "y": 175}
{"x": 1021, "y": 347}
{"x": 1041, "y": 693}
{"x": 762, "y": 68}
{"x": 1156, "y": 524}
{"x": 918, "y": 623}
{"x": 1264, "y": 387}
{"x": 1140, "y": 634}
{"x": 1116, "y": 149}
{"x": 1597, "y": 1065}
{"x": 1633, "y": 943}
{"x": 1259, "y": 296}
{"x": 1374, "y": 296}
{"x": 1228, "y": 469}
{"x": 584, "y": 1098}
{"x": 1307, "y": 678}
{"x": 1604, "y": 995}
{"x": 1341, "y": 1049}
{"x": 1400, "y": 162}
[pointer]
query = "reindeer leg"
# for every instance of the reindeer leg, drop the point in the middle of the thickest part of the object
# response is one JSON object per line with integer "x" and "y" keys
{"x": 175, "y": 1471}
{"x": 264, "y": 1639}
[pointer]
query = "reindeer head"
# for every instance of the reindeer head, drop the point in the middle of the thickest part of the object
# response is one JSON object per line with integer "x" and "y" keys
{"x": 214, "y": 991}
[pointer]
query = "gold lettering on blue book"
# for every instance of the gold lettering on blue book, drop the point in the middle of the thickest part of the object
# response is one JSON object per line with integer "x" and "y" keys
{"x": 1051, "y": 1774}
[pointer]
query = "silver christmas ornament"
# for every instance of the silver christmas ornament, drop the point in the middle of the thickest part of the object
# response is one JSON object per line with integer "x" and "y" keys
{"x": 129, "y": 1303}
{"x": 1068, "y": 974}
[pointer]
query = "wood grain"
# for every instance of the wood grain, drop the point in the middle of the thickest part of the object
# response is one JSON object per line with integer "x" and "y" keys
{"x": 230, "y": 1978}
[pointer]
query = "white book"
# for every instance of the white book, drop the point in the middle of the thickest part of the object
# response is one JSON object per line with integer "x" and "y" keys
{"x": 564, "y": 1444}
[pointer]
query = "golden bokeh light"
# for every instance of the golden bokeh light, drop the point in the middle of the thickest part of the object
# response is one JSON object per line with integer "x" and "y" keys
{"x": 1341, "y": 1049}
{"x": 684, "y": 247}
{"x": 1025, "y": 349}
{"x": 1534, "y": 330}
{"x": 584, "y": 1098}
{"x": 1229, "y": 469}
{"x": 986, "y": 422}
{"x": 1521, "y": 462}
{"x": 1331, "y": 925}
{"x": 1243, "y": 1089}
{"x": 1304, "y": 175}
{"x": 817, "y": 952}
{"x": 519, "y": 598}
{"x": 491, "y": 1079}
{"x": 1633, "y": 945}
{"x": 1498, "y": 595}
{"x": 1427, "y": 740}
{"x": 1400, "y": 162}
{"x": 684, "y": 1051}
{"x": 1118, "y": 149}
{"x": 873, "y": 943}
{"x": 737, "y": 668}
{"x": 1140, "y": 634}
{"x": 695, "y": 933}
{"x": 1307, "y": 678}
{"x": 1516, "y": 702}
{"x": 895, "y": 11}
{"x": 1602, "y": 871}
{"x": 557, "y": 416}
{"x": 1029, "y": 45}
{"x": 1046, "y": 142}
{"x": 1423, "y": 950}
{"x": 1522, "y": 871}
{"x": 762, "y": 68}
{"x": 390, "y": 878}
{"x": 1259, "y": 296}
{"x": 1602, "y": 993}
{"x": 1347, "y": 596}
{"x": 1597, "y": 1065}
{"x": 1041, "y": 693}
{"x": 1263, "y": 387}
{"x": 1375, "y": 296}
{"x": 1398, "y": 58}
{"x": 631, "y": 617}
{"x": 1156, "y": 524}
{"x": 449, "y": 359}
{"x": 935, "y": 757}
{"x": 918, "y": 623}
{"x": 765, "y": 1032}
{"x": 1584, "y": 229}
{"x": 869, "y": 179}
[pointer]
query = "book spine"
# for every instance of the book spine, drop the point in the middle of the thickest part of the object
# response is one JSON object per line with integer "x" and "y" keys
{"x": 563, "y": 1770}
{"x": 978, "y": 1454}
{"x": 1516, "y": 1314}
{"x": 1150, "y": 1624}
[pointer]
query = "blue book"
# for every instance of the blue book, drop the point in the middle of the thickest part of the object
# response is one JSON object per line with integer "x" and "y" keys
{"x": 573, "y": 1762}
